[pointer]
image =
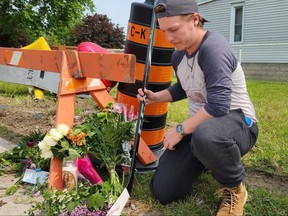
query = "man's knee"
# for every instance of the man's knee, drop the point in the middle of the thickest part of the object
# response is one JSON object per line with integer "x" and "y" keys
{"x": 166, "y": 194}
{"x": 201, "y": 139}
{"x": 163, "y": 195}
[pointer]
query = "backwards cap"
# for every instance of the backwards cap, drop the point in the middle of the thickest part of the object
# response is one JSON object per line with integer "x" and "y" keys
{"x": 176, "y": 7}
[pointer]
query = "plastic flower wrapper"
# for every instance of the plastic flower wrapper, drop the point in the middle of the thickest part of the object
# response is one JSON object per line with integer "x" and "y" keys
{"x": 86, "y": 168}
{"x": 128, "y": 115}
{"x": 126, "y": 162}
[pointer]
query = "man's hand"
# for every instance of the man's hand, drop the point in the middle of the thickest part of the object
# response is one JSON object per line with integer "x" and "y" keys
{"x": 172, "y": 138}
{"x": 150, "y": 97}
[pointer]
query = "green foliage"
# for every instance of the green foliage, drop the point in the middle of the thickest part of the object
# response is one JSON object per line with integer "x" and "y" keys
{"x": 100, "y": 30}
{"x": 12, "y": 89}
{"x": 56, "y": 201}
{"x": 34, "y": 18}
{"x": 106, "y": 130}
{"x": 23, "y": 155}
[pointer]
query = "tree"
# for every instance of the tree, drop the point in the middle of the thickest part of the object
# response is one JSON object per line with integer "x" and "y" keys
{"x": 100, "y": 30}
{"x": 23, "y": 21}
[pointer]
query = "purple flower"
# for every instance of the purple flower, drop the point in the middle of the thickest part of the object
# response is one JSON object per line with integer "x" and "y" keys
{"x": 37, "y": 194}
{"x": 26, "y": 164}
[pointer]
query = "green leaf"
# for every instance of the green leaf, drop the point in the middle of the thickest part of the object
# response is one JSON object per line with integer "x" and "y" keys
{"x": 63, "y": 150}
{"x": 71, "y": 206}
{"x": 76, "y": 131}
{"x": 64, "y": 143}
{"x": 11, "y": 190}
{"x": 95, "y": 201}
{"x": 73, "y": 154}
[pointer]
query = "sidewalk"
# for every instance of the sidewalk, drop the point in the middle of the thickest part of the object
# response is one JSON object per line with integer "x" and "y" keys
{"x": 5, "y": 145}
{"x": 18, "y": 203}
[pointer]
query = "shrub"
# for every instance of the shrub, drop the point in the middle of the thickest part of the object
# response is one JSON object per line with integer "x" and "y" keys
{"x": 100, "y": 30}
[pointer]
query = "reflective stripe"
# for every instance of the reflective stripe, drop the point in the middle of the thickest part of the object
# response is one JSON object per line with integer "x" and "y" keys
{"x": 140, "y": 34}
{"x": 15, "y": 58}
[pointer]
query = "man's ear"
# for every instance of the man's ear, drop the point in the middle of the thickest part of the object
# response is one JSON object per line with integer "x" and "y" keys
{"x": 196, "y": 18}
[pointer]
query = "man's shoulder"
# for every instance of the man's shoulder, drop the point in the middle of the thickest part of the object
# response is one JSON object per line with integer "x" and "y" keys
{"x": 214, "y": 37}
{"x": 178, "y": 55}
{"x": 214, "y": 42}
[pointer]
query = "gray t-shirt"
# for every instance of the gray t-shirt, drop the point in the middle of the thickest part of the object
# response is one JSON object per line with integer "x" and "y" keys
{"x": 211, "y": 77}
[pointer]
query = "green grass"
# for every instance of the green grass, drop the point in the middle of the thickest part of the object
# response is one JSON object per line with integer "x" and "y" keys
{"x": 263, "y": 202}
{"x": 13, "y": 89}
{"x": 270, "y": 153}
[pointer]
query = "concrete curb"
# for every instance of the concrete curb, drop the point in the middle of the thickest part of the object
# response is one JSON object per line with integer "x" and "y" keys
{"x": 5, "y": 145}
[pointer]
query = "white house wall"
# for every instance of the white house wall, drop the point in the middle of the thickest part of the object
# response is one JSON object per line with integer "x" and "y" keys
{"x": 265, "y": 35}
{"x": 266, "y": 21}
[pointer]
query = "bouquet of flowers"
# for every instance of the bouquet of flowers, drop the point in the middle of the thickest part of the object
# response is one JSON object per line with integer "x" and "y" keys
{"x": 101, "y": 134}
{"x": 107, "y": 133}
{"x": 62, "y": 142}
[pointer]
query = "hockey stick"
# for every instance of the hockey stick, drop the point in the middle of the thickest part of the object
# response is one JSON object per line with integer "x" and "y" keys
{"x": 142, "y": 103}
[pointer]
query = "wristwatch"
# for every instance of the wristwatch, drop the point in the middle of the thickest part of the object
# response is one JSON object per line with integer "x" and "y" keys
{"x": 180, "y": 129}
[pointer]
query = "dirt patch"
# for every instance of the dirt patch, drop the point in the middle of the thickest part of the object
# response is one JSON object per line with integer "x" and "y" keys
{"x": 21, "y": 120}
{"x": 272, "y": 183}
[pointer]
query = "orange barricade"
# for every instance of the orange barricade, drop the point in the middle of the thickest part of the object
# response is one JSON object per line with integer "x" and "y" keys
{"x": 79, "y": 73}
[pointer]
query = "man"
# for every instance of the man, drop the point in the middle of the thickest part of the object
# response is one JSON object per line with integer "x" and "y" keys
{"x": 222, "y": 125}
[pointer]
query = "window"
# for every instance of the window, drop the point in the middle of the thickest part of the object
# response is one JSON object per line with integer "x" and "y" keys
{"x": 236, "y": 32}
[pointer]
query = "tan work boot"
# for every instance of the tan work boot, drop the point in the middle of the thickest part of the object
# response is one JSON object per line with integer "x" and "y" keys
{"x": 233, "y": 200}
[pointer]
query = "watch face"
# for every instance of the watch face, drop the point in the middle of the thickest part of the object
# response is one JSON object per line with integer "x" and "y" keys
{"x": 179, "y": 129}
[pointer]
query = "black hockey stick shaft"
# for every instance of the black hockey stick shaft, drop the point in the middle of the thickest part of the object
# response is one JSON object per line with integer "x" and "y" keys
{"x": 142, "y": 103}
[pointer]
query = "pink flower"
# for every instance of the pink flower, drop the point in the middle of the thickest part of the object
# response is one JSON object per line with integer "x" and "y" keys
{"x": 132, "y": 116}
{"x": 117, "y": 107}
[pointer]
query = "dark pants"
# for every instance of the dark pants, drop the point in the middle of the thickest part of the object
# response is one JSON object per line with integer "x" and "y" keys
{"x": 217, "y": 144}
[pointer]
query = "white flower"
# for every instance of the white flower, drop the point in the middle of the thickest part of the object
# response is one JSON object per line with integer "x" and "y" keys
{"x": 43, "y": 146}
{"x": 63, "y": 129}
{"x": 46, "y": 154}
{"x": 33, "y": 166}
{"x": 54, "y": 133}
{"x": 48, "y": 140}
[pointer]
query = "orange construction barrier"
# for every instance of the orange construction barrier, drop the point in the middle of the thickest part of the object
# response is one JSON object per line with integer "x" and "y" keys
{"x": 39, "y": 44}
{"x": 160, "y": 74}
{"x": 79, "y": 73}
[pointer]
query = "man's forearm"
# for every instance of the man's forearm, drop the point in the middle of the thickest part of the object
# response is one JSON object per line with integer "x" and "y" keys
{"x": 191, "y": 123}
